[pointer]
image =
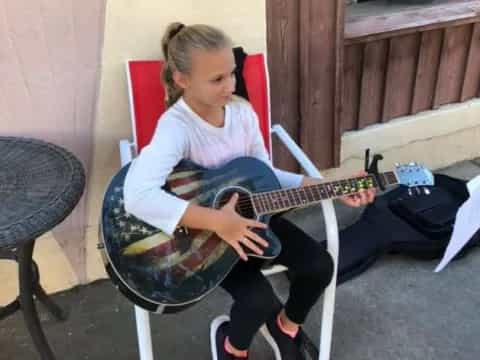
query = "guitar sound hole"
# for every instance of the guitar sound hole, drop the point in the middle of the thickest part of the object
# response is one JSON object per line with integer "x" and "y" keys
{"x": 244, "y": 203}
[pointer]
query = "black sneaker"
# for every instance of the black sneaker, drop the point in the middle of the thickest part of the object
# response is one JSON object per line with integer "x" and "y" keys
{"x": 307, "y": 346}
{"x": 218, "y": 334}
{"x": 287, "y": 348}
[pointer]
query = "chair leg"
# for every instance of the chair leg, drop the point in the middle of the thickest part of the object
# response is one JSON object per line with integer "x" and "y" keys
{"x": 27, "y": 303}
{"x": 144, "y": 333}
{"x": 329, "y": 295}
{"x": 327, "y": 322}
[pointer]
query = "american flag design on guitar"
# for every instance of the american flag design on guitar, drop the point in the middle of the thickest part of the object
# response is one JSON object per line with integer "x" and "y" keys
{"x": 170, "y": 269}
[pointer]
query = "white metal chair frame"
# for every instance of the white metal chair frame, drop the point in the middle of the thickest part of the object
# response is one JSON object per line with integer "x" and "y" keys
{"x": 127, "y": 151}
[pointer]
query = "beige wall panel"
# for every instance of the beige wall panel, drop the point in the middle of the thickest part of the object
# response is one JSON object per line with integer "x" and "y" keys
{"x": 49, "y": 66}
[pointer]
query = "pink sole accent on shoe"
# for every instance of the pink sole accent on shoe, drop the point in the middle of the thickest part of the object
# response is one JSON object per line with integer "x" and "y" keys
{"x": 291, "y": 333}
{"x": 244, "y": 354}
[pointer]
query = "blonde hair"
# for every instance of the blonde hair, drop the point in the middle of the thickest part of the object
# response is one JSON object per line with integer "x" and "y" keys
{"x": 177, "y": 42}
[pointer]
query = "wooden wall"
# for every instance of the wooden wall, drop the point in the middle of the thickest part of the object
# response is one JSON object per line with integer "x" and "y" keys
{"x": 405, "y": 71}
{"x": 283, "y": 63}
{"x": 305, "y": 63}
{"x": 332, "y": 72}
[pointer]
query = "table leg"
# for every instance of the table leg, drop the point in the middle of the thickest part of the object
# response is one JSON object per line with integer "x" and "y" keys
{"x": 27, "y": 301}
{"x": 54, "y": 309}
{"x": 9, "y": 309}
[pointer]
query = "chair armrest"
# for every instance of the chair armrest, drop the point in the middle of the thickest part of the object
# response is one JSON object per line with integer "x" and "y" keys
{"x": 331, "y": 227}
{"x": 296, "y": 151}
{"x": 126, "y": 151}
{"x": 327, "y": 205}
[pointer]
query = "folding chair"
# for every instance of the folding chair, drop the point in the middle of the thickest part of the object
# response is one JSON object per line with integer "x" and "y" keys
{"x": 146, "y": 99}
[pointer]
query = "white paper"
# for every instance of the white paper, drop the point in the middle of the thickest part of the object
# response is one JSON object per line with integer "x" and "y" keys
{"x": 467, "y": 222}
{"x": 473, "y": 184}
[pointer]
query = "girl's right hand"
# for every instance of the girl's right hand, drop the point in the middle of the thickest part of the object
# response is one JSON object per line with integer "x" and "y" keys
{"x": 235, "y": 229}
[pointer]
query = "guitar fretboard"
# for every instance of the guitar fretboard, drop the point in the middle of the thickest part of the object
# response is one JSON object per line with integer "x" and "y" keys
{"x": 280, "y": 200}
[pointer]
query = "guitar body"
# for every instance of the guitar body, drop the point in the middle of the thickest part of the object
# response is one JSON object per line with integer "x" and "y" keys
{"x": 164, "y": 273}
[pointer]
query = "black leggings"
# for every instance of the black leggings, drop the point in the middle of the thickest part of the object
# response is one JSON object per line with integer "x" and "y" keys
{"x": 311, "y": 267}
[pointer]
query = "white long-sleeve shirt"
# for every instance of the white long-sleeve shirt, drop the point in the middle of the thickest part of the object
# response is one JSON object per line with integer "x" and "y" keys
{"x": 182, "y": 134}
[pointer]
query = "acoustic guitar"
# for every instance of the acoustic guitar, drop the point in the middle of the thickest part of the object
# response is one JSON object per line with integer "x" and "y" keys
{"x": 166, "y": 273}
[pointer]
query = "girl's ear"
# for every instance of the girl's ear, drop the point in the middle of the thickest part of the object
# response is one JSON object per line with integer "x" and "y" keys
{"x": 180, "y": 79}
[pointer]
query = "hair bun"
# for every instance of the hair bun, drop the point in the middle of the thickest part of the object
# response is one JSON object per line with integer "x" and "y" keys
{"x": 172, "y": 30}
{"x": 176, "y": 31}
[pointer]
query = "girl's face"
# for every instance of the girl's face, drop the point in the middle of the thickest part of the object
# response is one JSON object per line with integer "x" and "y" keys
{"x": 211, "y": 80}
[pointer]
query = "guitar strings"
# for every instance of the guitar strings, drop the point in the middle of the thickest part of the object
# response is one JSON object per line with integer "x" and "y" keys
{"x": 248, "y": 199}
{"x": 247, "y": 202}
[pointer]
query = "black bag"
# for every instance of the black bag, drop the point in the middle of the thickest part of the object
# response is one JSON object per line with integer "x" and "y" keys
{"x": 406, "y": 222}
{"x": 433, "y": 214}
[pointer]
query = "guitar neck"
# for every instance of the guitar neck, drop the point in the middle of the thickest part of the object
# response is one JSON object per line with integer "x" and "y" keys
{"x": 285, "y": 199}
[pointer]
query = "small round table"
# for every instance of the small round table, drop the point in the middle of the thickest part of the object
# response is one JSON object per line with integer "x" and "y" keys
{"x": 40, "y": 184}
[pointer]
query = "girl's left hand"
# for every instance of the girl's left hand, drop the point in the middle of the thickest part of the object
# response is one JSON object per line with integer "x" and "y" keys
{"x": 363, "y": 198}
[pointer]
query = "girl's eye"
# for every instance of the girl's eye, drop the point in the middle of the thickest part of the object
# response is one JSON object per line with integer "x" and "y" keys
{"x": 220, "y": 78}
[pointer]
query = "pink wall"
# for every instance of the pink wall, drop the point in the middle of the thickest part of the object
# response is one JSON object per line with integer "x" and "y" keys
{"x": 49, "y": 69}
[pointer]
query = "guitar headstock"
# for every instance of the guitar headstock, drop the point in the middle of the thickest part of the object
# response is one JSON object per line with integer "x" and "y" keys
{"x": 413, "y": 175}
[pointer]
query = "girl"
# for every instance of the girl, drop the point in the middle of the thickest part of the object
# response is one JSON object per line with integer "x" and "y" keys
{"x": 204, "y": 124}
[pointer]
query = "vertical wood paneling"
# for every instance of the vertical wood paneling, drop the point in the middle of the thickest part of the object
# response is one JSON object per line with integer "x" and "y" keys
{"x": 452, "y": 65}
{"x": 373, "y": 82}
{"x": 427, "y": 70}
{"x": 339, "y": 81}
{"x": 321, "y": 59}
{"x": 471, "y": 82}
{"x": 400, "y": 78}
{"x": 352, "y": 85}
{"x": 381, "y": 78}
{"x": 283, "y": 63}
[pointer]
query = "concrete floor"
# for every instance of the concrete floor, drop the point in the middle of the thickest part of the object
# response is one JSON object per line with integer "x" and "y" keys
{"x": 398, "y": 309}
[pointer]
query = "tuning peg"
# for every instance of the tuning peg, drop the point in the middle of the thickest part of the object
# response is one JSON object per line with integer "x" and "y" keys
{"x": 413, "y": 163}
{"x": 426, "y": 191}
{"x": 410, "y": 192}
{"x": 419, "y": 192}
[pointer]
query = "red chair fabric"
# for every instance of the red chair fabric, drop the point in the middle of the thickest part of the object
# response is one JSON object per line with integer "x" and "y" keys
{"x": 147, "y": 96}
